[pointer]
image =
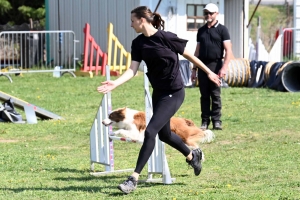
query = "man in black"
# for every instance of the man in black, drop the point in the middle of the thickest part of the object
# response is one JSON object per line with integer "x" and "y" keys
{"x": 212, "y": 40}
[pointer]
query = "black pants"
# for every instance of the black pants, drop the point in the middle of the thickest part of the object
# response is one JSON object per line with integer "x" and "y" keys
{"x": 165, "y": 105}
{"x": 210, "y": 100}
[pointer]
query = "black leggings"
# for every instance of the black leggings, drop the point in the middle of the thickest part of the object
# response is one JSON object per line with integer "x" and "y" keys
{"x": 165, "y": 105}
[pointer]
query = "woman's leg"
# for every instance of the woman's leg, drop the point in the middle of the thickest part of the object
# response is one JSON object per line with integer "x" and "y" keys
{"x": 169, "y": 104}
{"x": 165, "y": 105}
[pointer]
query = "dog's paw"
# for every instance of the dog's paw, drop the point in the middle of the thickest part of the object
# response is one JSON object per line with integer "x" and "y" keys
{"x": 112, "y": 134}
{"x": 123, "y": 133}
{"x": 118, "y": 132}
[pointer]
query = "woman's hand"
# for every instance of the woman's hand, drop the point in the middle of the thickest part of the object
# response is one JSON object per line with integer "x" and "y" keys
{"x": 214, "y": 78}
{"x": 107, "y": 86}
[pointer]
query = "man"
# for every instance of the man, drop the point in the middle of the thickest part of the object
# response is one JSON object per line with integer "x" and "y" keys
{"x": 212, "y": 40}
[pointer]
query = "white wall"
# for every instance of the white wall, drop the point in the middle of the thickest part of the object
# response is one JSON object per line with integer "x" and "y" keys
{"x": 175, "y": 21}
{"x": 181, "y": 28}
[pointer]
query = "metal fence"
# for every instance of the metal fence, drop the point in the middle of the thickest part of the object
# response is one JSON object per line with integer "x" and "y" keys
{"x": 37, "y": 51}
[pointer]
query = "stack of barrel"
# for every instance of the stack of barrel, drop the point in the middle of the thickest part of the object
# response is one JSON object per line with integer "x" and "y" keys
{"x": 281, "y": 76}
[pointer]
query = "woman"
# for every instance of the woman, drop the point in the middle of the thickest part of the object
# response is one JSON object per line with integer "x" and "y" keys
{"x": 159, "y": 50}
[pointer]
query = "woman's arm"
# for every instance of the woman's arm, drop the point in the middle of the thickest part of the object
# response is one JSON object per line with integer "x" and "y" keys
{"x": 188, "y": 55}
{"x": 128, "y": 74}
{"x": 108, "y": 86}
{"x": 211, "y": 75}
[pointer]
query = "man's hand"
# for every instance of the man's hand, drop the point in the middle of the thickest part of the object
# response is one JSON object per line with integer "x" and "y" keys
{"x": 222, "y": 73}
{"x": 194, "y": 75}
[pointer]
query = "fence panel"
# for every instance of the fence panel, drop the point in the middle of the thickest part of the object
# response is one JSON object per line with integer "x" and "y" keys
{"x": 37, "y": 51}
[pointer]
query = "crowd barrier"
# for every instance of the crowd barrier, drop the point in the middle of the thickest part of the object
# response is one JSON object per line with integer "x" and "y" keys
{"x": 102, "y": 146}
{"x": 37, "y": 51}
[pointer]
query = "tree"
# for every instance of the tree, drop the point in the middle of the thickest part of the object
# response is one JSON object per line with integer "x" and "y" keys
{"x": 16, "y": 12}
{"x": 4, "y": 6}
{"x": 32, "y": 13}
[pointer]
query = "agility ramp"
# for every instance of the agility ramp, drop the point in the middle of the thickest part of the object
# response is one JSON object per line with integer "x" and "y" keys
{"x": 31, "y": 111}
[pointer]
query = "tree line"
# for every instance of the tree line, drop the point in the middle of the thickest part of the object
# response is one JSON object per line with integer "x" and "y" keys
{"x": 17, "y": 12}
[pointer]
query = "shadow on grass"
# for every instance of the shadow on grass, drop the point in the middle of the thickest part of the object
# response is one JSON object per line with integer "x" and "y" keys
{"x": 89, "y": 178}
{"x": 153, "y": 186}
{"x": 87, "y": 189}
{"x": 109, "y": 178}
{"x": 70, "y": 170}
{"x": 116, "y": 175}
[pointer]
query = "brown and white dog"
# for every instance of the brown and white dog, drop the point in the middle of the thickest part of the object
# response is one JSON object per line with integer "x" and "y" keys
{"x": 132, "y": 124}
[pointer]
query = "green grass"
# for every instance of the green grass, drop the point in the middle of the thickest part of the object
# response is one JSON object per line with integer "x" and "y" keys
{"x": 256, "y": 156}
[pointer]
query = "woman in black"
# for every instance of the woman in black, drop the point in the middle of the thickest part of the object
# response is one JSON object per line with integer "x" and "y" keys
{"x": 159, "y": 50}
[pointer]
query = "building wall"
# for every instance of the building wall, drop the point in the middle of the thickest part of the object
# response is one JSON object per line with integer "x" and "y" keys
{"x": 74, "y": 14}
{"x": 232, "y": 13}
{"x": 236, "y": 23}
{"x": 181, "y": 28}
{"x": 174, "y": 14}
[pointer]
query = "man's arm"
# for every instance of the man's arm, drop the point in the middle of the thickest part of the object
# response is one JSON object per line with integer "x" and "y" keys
{"x": 228, "y": 56}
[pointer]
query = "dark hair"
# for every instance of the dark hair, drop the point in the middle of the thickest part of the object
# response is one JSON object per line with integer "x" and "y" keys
{"x": 154, "y": 18}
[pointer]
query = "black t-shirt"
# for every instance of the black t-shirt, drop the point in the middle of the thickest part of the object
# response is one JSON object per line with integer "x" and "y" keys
{"x": 160, "y": 53}
{"x": 211, "y": 41}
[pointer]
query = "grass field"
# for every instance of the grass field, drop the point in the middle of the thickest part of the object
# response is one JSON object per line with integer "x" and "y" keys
{"x": 256, "y": 156}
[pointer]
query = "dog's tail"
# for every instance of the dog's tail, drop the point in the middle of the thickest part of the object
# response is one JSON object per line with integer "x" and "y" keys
{"x": 209, "y": 136}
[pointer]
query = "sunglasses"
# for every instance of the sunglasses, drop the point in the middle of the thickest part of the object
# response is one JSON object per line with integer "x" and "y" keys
{"x": 211, "y": 13}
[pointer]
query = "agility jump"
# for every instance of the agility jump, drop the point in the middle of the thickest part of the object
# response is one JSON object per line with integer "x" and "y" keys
{"x": 101, "y": 142}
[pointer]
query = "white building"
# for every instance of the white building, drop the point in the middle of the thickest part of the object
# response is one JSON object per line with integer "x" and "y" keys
{"x": 178, "y": 16}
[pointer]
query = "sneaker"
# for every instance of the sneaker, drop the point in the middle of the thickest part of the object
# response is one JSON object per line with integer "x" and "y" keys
{"x": 129, "y": 185}
{"x": 196, "y": 161}
{"x": 204, "y": 126}
{"x": 217, "y": 126}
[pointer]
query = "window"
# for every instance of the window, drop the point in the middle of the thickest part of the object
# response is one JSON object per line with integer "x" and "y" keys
{"x": 195, "y": 18}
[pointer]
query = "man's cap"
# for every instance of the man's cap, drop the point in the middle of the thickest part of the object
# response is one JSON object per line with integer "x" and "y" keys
{"x": 211, "y": 7}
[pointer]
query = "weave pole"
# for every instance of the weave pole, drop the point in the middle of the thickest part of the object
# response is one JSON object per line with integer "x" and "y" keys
{"x": 101, "y": 142}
